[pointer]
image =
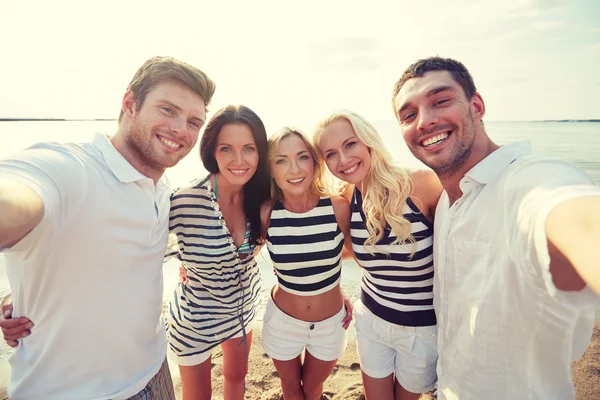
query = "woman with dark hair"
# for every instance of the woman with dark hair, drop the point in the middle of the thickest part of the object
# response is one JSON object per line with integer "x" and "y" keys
{"x": 215, "y": 228}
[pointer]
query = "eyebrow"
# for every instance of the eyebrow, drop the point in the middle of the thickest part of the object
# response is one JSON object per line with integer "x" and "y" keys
{"x": 298, "y": 153}
{"x": 175, "y": 106}
{"x": 227, "y": 144}
{"x": 343, "y": 143}
{"x": 432, "y": 92}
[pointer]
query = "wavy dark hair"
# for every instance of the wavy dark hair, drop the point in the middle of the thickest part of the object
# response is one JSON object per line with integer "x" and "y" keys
{"x": 258, "y": 188}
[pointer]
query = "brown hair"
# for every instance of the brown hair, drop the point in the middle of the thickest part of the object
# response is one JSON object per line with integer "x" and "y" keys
{"x": 458, "y": 71}
{"x": 160, "y": 69}
{"x": 257, "y": 189}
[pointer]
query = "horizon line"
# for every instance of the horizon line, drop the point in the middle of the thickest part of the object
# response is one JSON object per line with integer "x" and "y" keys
{"x": 115, "y": 119}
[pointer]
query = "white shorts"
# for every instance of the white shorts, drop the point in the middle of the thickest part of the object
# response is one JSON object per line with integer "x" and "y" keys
{"x": 284, "y": 337}
{"x": 409, "y": 351}
{"x": 189, "y": 361}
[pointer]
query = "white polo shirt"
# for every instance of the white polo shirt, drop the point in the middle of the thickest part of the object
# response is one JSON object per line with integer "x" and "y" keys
{"x": 89, "y": 275}
{"x": 505, "y": 331}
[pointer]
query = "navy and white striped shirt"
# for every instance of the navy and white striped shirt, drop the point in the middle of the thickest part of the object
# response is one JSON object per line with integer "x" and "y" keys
{"x": 306, "y": 248}
{"x": 396, "y": 287}
{"x": 218, "y": 301}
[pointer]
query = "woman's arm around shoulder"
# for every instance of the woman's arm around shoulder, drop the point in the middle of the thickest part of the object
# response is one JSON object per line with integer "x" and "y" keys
{"x": 341, "y": 209}
{"x": 427, "y": 189}
{"x": 265, "y": 218}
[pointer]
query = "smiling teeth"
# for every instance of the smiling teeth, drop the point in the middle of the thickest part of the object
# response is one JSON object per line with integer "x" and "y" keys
{"x": 350, "y": 170}
{"x": 435, "y": 139}
{"x": 238, "y": 171}
{"x": 172, "y": 145}
{"x": 295, "y": 180}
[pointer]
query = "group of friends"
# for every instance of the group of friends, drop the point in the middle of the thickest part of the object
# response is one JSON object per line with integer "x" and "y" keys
{"x": 480, "y": 276}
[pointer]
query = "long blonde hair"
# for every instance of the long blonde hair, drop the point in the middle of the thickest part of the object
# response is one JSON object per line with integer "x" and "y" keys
{"x": 386, "y": 186}
{"x": 318, "y": 184}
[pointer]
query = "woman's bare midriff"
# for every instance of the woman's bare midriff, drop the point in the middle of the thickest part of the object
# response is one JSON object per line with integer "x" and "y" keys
{"x": 309, "y": 308}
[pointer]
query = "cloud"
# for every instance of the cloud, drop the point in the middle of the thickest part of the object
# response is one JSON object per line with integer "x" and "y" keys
{"x": 548, "y": 4}
{"x": 594, "y": 48}
{"x": 348, "y": 45}
{"x": 348, "y": 54}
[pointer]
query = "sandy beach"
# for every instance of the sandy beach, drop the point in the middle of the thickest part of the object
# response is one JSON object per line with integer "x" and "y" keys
{"x": 262, "y": 381}
{"x": 344, "y": 383}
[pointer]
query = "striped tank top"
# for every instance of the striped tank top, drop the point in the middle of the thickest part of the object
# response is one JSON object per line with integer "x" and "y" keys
{"x": 306, "y": 248}
{"x": 218, "y": 301}
{"x": 396, "y": 287}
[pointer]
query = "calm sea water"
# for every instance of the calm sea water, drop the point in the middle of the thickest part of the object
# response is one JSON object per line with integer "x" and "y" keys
{"x": 578, "y": 143}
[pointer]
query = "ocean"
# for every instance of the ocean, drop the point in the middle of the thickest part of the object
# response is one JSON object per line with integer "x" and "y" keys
{"x": 576, "y": 142}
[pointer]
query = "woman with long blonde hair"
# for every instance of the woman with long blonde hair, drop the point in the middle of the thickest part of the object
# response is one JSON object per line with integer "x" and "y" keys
{"x": 392, "y": 238}
{"x": 305, "y": 229}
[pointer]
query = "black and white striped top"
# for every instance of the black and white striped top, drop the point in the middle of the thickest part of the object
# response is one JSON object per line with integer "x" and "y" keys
{"x": 218, "y": 301}
{"x": 396, "y": 287}
{"x": 306, "y": 248}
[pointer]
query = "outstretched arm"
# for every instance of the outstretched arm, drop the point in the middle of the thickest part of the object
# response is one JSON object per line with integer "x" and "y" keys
{"x": 22, "y": 210}
{"x": 573, "y": 233}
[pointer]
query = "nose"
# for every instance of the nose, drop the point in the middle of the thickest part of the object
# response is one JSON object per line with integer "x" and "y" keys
{"x": 239, "y": 157}
{"x": 293, "y": 167}
{"x": 344, "y": 158}
{"x": 427, "y": 119}
{"x": 178, "y": 125}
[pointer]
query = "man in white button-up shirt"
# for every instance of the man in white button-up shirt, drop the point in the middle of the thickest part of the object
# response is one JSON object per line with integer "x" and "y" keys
{"x": 84, "y": 223}
{"x": 516, "y": 246}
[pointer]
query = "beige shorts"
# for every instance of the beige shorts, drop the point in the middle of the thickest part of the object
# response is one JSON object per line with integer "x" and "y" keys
{"x": 384, "y": 348}
{"x": 284, "y": 337}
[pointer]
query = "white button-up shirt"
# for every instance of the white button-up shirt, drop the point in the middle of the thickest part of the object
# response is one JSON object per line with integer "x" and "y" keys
{"x": 505, "y": 331}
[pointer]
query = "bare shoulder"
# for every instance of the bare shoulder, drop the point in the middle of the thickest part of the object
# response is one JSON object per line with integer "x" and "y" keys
{"x": 347, "y": 192}
{"x": 340, "y": 202}
{"x": 427, "y": 189}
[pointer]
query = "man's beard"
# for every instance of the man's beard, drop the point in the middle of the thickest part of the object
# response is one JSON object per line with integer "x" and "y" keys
{"x": 460, "y": 154}
{"x": 139, "y": 141}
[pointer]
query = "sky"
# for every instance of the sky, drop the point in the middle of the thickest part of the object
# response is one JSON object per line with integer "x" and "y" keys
{"x": 292, "y": 62}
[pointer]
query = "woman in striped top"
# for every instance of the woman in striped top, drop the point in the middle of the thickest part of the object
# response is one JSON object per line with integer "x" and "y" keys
{"x": 215, "y": 227}
{"x": 305, "y": 233}
{"x": 392, "y": 238}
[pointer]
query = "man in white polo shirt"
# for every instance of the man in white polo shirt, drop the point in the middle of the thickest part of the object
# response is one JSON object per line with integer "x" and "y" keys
{"x": 84, "y": 230}
{"x": 516, "y": 246}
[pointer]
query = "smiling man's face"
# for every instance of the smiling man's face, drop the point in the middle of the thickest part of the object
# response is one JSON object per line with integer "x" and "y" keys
{"x": 437, "y": 120}
{"x": 166, "y": 127}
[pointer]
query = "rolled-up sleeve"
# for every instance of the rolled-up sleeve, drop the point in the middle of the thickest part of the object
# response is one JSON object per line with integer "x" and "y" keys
{"x": 535, "y": 189}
